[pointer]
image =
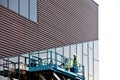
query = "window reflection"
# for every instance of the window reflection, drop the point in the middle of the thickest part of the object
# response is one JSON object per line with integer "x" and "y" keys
{"x": 24, "y": 8}
{"x": 79, "y": 53}
{"x": 73, "y": 50}
{"x": 96, "y": 70}
{"x": 85, "y": 48}
{"x": 96, "y": 54}
{"x": 27, "y": 8}
{"x": 89, "y": 63}
{"x": 85, "y": 63}
{"x": 66, "y": 51}
{"x": 90, "y": 78}
{"x": 33, "y": 10}
{"x": 4, "y": 3}
{"x": 13, "y": 5}
{"x": 91, "y": 44}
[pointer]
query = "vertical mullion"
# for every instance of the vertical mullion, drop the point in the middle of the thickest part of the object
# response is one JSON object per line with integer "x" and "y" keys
{"x": 88, "y": 58}
{"x": 93, "y": 60}
{"x": 8, "y": 67}
{"x": 8, "y": 4}
{"x": 37, "y": 11}
{"x": 76, "y": 48}
{"x": 55, "y": 57}
{"x": 19, "y": 67}
{"x": 82, "y": 53}
{"x": 63, "y": 50}
{"x": 70, "y": 54}
{"x": 29, "y": 9}
{"x": 19, "y": 6}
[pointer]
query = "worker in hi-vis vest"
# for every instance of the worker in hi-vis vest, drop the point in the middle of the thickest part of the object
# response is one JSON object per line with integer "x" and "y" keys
{"x": 67, "y": 64}
{"x": 75, "y": 63}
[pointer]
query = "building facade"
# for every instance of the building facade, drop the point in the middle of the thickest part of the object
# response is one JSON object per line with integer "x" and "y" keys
{"x": 62, "y": 26}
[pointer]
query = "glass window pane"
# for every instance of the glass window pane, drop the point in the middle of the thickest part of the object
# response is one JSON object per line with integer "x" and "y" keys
{"x": 85, "y": 63}
{"x": 1, "y": 64}
{"x": 85, "y": 48}
{"x": 91, "y": 44}
{"x": 13, "y": 5}
{"x": 59, "y": 50}
{"x": 3, "y": 3}
{"x": 73, "y": 50}
{"x": 79, "y": 53}
{"x": 96, "y": 70}
{"x": 12, "y": 65}
{"x": 66, "y": 51}
{"x": 96, "y": 53}
{"x": 33, "y": 10}
{"x": 24, "y": 8}
{"x": 42, "y": 54}
{"x": 53, "y": 54}
{"x": 90, "y": 78}
{"x": 90, "y": 62}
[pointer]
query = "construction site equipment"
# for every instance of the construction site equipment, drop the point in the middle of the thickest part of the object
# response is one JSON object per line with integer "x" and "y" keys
{"x": 42, "y": 66}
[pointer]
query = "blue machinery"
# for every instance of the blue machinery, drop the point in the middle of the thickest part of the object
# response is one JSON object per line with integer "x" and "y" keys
{"x": 47, "y": 65}
{"x": 52, "y": 62}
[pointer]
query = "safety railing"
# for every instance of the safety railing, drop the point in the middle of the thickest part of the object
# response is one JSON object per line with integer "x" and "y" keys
{"x": 51, "y": 59}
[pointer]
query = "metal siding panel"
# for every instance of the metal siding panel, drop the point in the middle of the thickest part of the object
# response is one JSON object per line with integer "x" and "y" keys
{"x": 60, "y": 23}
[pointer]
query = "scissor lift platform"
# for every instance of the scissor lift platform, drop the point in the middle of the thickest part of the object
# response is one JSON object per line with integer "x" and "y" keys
{"x": 43, "y": 68}
{"x": 53, "y": 64}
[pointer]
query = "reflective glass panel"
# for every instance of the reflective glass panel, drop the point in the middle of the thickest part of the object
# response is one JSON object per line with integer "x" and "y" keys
{"x": 96, "y": 70}
{"x": 85, "y": 63}
{"x": 79, "y": 53}
{"x": 53, "y": 54}
{"x": 85, "y": 48}
{"x": 66, "y": 51}
{"x": 91, "y": 44}
{"x": 60, "y": 51}
{"x": 90, "y": 78}
{"x": 13, "y": 5}
{"x": 96, "y": 53}
{"x": 4, "y": 3}
{"x": 24, "y": 8}
{"x": 33, "y": 10}
{"x": 90, "y": 62}
{"x": 73, "y": 50}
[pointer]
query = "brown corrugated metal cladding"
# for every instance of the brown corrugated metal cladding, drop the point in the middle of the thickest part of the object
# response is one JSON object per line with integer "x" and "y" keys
{"x": 60, "y": 22}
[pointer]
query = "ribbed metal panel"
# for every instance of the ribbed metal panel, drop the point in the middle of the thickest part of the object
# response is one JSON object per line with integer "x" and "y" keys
{"x": 60, "y": 23}
{"x": 68, "y": 21}
{"x": 17, "y": 34}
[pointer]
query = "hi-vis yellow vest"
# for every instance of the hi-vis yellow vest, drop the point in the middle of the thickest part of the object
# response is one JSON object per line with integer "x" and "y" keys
{"x": 75, "y": 62}
{"x": 67, "y": 64}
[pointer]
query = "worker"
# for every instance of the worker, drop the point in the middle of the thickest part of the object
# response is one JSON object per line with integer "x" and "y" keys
{"x": 67, "y": 64}
{"x": 75, "y": 63}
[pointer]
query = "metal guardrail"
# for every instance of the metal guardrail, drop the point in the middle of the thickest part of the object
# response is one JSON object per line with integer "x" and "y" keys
{"x": 55, "y": 59}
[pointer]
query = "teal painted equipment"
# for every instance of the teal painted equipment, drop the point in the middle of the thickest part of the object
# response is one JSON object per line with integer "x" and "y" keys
{"x": 51, "y": 61}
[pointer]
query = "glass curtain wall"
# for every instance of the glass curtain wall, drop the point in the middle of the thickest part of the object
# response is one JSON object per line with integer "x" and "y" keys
{"x": 87, "y": 54}
{"x": 26, "y": 8}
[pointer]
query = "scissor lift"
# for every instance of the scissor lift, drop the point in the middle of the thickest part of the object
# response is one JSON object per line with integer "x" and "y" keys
{"x": 52, "y": 64}
{"x": 44, "y": 66}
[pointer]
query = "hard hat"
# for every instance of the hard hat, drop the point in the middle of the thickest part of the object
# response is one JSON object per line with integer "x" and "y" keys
{"x": 74, "y": 54}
